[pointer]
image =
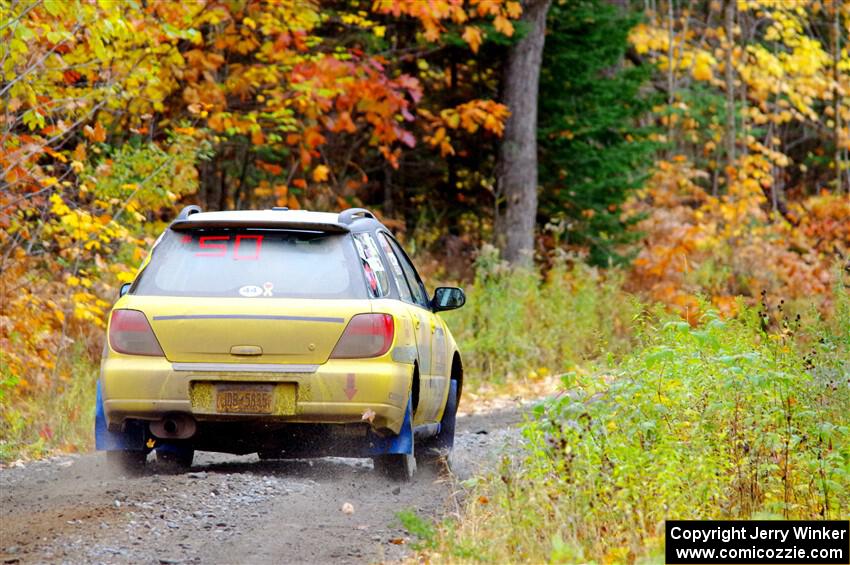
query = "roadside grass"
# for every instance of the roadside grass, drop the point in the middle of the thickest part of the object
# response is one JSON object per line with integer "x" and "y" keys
{"x": 518, "y": 326}
{"x": 737, "y": 418}
{"x": 51, "y": 420}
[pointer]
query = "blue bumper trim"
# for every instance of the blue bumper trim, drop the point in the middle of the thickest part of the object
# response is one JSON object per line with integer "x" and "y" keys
{"x": 104, "y": 440}
{"x": 401, "y": 443}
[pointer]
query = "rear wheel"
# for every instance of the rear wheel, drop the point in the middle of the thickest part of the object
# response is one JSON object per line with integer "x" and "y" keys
{"x": 127, "y": 461}
{"x": 176, "y": 456}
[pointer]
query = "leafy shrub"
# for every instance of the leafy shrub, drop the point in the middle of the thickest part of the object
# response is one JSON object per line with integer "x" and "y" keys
{"x": 49, "y": 419}
{"x": 516, "y": 323}
{"x": 729, "y": 419}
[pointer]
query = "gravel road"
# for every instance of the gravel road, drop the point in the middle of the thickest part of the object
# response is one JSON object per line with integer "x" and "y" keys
{"x": 229, "y": 509}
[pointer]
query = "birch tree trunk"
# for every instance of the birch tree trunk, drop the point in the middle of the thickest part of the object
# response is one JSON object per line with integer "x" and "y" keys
{"x": 517, "y": 174}
{"x": 729, "y": 23}
{"x": 835, "y": 33}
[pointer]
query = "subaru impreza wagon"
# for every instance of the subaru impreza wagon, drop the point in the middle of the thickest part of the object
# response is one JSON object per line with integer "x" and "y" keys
{"x": 282, "y": 332}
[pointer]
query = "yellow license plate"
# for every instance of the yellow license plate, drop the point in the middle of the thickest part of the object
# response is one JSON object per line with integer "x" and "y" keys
{"x": 247, "y": 400}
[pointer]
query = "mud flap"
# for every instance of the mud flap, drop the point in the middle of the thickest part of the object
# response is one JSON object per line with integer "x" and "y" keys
{"x": 132, "y": 439}
{"x": 401, "y": 443}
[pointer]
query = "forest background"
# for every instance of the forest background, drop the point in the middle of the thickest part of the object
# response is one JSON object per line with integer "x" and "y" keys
{"x": 691, "y": 154}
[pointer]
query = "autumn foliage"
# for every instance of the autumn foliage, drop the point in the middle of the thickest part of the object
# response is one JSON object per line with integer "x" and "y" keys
{"x": 115, "y": 114}
{"x": 753, "y": 194}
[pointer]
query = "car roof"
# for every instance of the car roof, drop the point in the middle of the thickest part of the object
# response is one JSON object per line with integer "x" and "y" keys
{"x": 353, "y": 219}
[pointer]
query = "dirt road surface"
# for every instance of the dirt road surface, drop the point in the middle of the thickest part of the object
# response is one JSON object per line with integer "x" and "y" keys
{"x": 229, "y": 509}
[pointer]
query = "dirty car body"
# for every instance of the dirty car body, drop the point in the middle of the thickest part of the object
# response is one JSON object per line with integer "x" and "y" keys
{"x": 287, "y": 333}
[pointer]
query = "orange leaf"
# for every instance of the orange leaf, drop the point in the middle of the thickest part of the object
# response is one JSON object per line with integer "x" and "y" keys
{"x": 97, "y": 133}
{"x": 472, "y": 35}
{"x": 320, "y": 173}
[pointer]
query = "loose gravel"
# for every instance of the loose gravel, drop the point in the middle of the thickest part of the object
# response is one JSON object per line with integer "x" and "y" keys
{"x": 229, "y": 509}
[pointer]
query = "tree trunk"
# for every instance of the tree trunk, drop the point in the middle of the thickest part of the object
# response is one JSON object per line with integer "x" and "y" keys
{"x": 671, "y": 76}
{"x": 729, "y": 23}
{"x": 517, "y": 176}
{"x": 836, "y": 95}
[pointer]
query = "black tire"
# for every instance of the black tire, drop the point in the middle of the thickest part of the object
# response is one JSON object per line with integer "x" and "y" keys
{"x": 269, "y": 454}
{"x": 441, "y": 445}
{"x": 131, "y": 462}
{"x": 396, "y": 466}
{"x": 178, "y": 457}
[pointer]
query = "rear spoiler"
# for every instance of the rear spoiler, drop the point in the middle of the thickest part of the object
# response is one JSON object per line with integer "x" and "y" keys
{"x": 185, "y": 222}
{"x": 188, "y": 225}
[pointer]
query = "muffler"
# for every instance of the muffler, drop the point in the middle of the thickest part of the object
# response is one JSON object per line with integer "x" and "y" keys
{"x": 174, "y": 426}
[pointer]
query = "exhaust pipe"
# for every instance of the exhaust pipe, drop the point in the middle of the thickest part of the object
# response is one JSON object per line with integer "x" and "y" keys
{"x": 174, "y": 426}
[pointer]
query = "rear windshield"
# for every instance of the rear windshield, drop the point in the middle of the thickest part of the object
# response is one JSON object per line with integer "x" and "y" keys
{"x": 253, "y": 264}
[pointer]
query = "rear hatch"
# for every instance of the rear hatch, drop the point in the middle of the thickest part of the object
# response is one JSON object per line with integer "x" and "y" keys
{"x": 250, "y": 296}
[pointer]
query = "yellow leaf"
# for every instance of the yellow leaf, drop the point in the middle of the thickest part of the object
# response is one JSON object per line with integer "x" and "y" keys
{"x": 503, "y": 26}
{"x": 702, "y": 66}
{"x": 472, "y": 35}
{"x": 320, "y": 173}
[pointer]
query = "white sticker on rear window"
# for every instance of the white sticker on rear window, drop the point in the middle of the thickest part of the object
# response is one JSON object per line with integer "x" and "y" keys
{"x": 373, "y": 266}
{"x": 251, "y": 291}
{"x": 375, "y": 263}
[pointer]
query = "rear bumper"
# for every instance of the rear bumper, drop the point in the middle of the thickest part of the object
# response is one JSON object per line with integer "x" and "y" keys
{"x": 337, "y": 392}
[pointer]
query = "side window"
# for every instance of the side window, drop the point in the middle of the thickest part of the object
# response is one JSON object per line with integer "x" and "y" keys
{"x": 395, "y": 269}
{"x": 416, "y": 286}
{"x": 373, "y": 265}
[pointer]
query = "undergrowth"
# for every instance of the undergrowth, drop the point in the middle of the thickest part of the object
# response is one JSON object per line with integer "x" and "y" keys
{"x": 516, "y": 323}
{"x": 54, "y": 419}
{"x": 730, "y": 419}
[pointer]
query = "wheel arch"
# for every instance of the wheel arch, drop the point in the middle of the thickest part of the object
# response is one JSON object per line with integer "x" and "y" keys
{"x": 457, "y": 372}
{"x": 414, "y": 387}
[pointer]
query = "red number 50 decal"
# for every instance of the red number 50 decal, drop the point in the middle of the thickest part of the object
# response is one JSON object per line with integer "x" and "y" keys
{"x": 220, "y": 249}
{"x": 258, "y": 243}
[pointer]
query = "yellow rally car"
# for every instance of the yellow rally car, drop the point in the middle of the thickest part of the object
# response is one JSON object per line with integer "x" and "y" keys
{"x": 282, "y": 332}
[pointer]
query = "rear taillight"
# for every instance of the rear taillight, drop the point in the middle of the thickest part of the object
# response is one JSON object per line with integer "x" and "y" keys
{"x": 130, "y": 332}
{"x": 367, "y": 335}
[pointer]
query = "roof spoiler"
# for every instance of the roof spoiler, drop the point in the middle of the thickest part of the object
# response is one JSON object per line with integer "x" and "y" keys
{"x": 184, "y": 222}
{"x": 347, "y": 217}
{"x": 190, "y": 224}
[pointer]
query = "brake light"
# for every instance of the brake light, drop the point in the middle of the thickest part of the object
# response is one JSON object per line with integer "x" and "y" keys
{"x": 130, "y": 332}
{"x": 367, "y": 335}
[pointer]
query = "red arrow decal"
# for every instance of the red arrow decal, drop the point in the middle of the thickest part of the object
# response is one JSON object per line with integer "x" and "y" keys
{"x": 350, "y": 391}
